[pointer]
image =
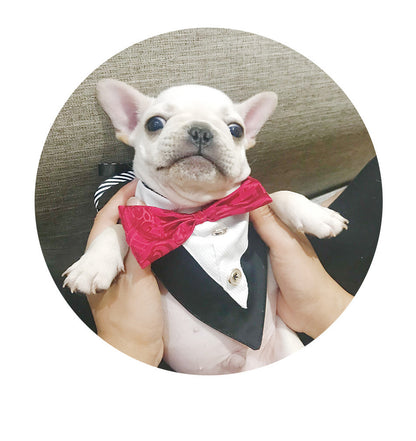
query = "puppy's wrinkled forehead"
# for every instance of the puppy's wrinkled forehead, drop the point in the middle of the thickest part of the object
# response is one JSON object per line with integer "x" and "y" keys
{"x": 194, "y": 98}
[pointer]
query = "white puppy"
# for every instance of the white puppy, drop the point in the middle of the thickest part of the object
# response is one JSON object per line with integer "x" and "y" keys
{"x": 190, "y": 149}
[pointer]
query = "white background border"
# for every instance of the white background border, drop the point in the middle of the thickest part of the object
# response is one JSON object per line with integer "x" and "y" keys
{"x": 59, "y": 381}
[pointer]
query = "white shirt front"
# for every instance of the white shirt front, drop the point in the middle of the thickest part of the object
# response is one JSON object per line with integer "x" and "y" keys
{"x": 216, "y": 246}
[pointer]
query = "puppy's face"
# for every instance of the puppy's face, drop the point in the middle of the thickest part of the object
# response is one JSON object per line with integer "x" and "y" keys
{"x": 190, "y": 141}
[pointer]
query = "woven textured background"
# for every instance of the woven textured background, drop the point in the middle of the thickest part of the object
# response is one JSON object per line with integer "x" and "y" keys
{"x": 315, "y": 140}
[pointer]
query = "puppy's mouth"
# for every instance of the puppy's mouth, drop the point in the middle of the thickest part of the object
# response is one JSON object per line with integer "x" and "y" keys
{"x": 194, "y": 159}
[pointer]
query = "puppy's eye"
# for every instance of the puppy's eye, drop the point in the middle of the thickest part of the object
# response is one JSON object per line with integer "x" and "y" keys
{"x": 236, "y": 130}
{"x": 155, "y": 123}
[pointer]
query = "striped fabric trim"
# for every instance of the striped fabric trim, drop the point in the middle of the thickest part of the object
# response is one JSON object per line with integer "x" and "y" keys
{"x": 111, "y": 182}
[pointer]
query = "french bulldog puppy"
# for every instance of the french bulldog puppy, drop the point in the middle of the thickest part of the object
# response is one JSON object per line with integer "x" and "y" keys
{"x": 190, "y": 150}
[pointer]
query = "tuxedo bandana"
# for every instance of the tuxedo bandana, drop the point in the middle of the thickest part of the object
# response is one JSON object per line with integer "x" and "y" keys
{"x": 236, "y": 311}
{"x": 208, "y": 301}
{"x": 153, "y": 232}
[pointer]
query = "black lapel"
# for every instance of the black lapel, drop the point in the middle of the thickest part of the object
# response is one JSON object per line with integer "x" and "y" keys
{"x": 208, "y": 301}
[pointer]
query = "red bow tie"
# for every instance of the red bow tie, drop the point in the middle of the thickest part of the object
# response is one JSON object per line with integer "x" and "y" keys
{"x": 152, "y": 232}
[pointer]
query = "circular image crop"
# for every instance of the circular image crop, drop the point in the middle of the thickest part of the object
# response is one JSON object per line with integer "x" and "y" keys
{"x": 208, "y": 201}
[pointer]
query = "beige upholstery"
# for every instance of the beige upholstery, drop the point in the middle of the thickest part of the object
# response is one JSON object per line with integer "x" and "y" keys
{"x": 314, "y": 142}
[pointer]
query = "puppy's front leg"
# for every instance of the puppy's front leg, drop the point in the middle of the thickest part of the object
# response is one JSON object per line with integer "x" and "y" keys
{"x": 102, "y": 261}
{"x": 301, "y": 214}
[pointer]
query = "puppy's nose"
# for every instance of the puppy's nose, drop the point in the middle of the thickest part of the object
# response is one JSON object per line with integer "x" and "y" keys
{"x": 200, "y": 136}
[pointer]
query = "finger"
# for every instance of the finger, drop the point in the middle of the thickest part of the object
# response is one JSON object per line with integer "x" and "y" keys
{"x": 132, "y": 267}
{"x": 275, "y": 233}
{"x": 110, "y": 209}
{"x": 109, "y": 215}
{"x": 270, "y": 228}
{"x": 134, "y": 201}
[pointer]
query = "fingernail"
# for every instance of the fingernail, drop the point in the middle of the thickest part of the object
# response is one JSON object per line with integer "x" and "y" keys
{"x": 134, "y": 201}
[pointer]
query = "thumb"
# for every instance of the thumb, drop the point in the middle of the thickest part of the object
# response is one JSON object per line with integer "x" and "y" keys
{"x": 134, "y": 201}
{"x": 130, "y": 263}
{"x": 109, "y": 215}
{"x": 274, "y": 232}
{"x": 270, "y": 228}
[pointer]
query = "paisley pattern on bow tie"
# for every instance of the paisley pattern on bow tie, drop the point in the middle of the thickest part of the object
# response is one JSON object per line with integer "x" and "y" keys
{"x": 153, "y": 232}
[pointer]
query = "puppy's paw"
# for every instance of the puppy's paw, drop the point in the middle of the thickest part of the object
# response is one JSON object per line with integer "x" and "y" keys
{"x": 301, "y": 214}
{"x": 324, "y": 223}
{"x": 92, "y": 273}
{"x": 99, "y": 266}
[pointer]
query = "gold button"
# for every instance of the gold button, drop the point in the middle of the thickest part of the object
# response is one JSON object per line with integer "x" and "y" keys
{"x": 235, "y": 277}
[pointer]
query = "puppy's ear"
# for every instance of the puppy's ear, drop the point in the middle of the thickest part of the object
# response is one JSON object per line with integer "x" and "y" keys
{"x": 123, "y": 104}
{"x": 255, "y": 112}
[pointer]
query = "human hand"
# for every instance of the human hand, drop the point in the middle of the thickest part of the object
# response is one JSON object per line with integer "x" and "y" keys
{"x": 129, "y": 314}
{"x": 308, "y": 300}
